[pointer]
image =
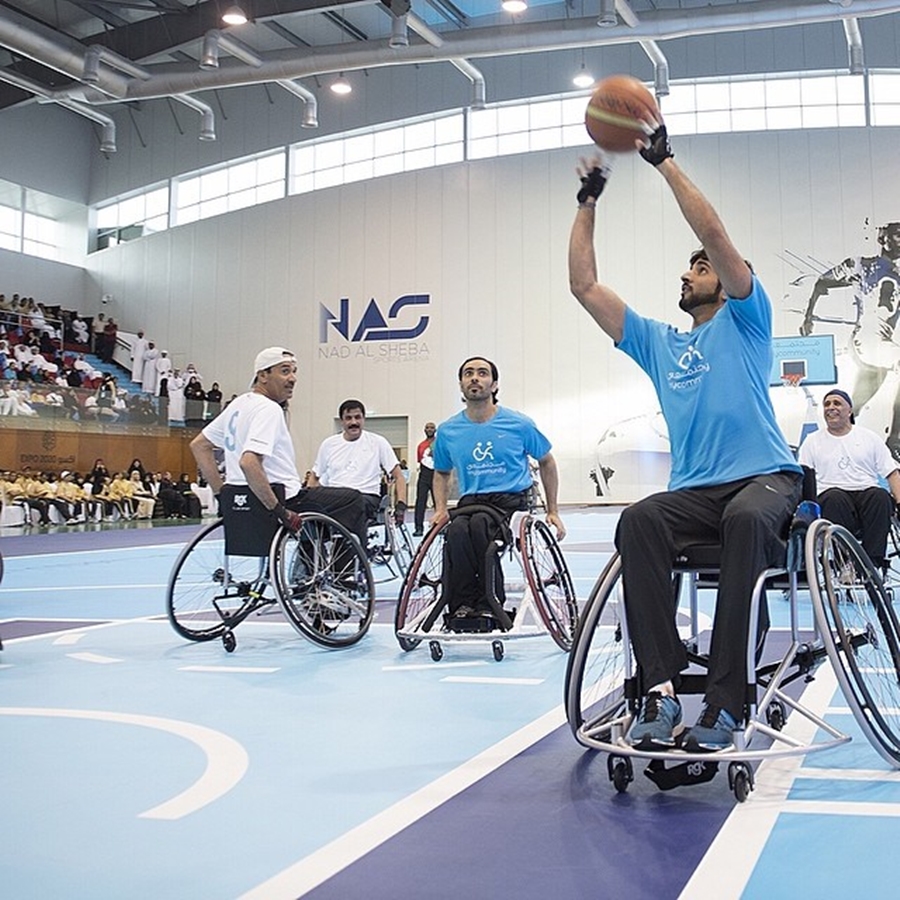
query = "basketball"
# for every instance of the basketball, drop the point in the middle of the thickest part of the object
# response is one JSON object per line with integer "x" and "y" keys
{"x": 615, "y": 112}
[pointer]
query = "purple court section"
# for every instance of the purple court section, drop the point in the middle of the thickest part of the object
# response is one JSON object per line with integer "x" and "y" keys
{"x": 547, "y": 825}
{"x": 72, "y": 541}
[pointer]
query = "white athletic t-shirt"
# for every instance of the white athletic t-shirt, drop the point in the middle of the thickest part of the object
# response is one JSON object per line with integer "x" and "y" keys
{"x": 853, "y": 461}
{"x": 355, "y": 464}
{"x": 256, "y": 423}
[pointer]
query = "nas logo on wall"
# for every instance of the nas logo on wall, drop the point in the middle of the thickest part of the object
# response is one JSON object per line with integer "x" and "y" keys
{"x": 394, "y": 337}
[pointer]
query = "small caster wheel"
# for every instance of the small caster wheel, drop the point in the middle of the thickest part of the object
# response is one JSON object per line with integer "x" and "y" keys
{"x": 740, "y": 780}
{"x": 229, "y": 641}
{"x": 621, "y": 773}
{"x": 497, "y": 647}
{"x": 437, "y": 652}
{"x": 776, "y": 715}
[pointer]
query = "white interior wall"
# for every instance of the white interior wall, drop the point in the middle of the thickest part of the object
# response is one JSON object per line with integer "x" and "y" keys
{"x": 49, "y": 282}
{"x": 487, "y": 241}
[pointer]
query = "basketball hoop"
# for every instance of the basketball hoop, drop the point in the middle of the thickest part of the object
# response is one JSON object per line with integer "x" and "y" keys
{"x": 792, "y": 379}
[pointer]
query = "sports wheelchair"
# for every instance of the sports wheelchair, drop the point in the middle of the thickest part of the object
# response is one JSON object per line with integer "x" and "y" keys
{"x": 389, "y": 544}
{"x": 855, "y": 626}
{"x": 542, "y": 601}
{"x": 247, "y": 564}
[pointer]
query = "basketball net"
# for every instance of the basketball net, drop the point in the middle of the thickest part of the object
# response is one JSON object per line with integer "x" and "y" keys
{"x": 792, "y": 380}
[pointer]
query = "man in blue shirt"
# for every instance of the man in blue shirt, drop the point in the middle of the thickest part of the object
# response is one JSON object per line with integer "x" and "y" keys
{"x": 734, "y": 479}
{"x": 489, "y": 447}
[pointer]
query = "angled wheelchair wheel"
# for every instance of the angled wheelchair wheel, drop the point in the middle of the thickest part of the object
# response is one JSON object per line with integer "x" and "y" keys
{"x": 323, "y": 581}
{"x": 860, "y": 627}
{"x": 549, "y": 580}
{"x": 421, "y": 590}
{"x": 402, "y": 548}
{"x": 209, "y": 593}
{"x": 600, "y": 657}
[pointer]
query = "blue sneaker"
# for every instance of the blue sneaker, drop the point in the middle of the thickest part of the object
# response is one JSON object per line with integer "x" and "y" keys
{"x": 658, "y": 719}
{"x": 712, "y": 731}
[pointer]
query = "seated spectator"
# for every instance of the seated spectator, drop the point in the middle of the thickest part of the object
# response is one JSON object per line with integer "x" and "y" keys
{"x": 849, "y": 461}
{"x": 142, "y": 495}
{"x": 112, "y": 502}
{"x": 171, "y": 499}
{"x": 97, "y": 476}
{"x": 33, "y": 493}
{"x": 121, "y": 490}
{"x": 192, "y": 508}
{"x": 80, "y": 330}
{"x": 73, "y": 495}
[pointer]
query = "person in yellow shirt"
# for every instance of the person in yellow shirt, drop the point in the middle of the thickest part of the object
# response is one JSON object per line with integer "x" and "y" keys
{"x": 121, "y": 492}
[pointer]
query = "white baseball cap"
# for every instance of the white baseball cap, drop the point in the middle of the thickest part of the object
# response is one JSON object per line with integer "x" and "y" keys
{"x": 271, "y": 356}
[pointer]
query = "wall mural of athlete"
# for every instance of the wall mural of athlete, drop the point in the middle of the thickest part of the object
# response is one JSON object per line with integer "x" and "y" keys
{"x": 631, "y": 456}
{"x": 874, "y": 341}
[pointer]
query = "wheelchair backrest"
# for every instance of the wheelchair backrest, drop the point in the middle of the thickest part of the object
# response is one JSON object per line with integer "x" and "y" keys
{"x": 249, "y": 526}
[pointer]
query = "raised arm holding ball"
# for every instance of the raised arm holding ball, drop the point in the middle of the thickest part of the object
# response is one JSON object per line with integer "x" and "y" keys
{"x": 734, "y": 479}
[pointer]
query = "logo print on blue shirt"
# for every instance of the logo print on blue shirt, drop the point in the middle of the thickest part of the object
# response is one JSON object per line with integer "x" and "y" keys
{"x": 479, "y": 454}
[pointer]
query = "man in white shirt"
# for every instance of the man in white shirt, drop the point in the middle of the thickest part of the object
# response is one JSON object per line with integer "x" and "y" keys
{"x": 849, "y": 461}
{"x": 357, "y": 458}
{"x": 138, "y": 349}
{"x": 259, "y": 452}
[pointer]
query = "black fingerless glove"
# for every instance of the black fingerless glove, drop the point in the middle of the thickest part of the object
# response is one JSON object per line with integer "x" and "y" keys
{"x": 400, "y": 512}
{"x": 592, "y": 185}
{"x": 659, "y": 148}
{"x": 288, "y": 518}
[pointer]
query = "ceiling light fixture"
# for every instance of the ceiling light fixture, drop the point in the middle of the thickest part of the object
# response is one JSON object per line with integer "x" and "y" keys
{"x": 583, "y": 78}
{"x": 341, "y": 86}
{"x": 234, "y": 15}
{"x": 514, "y": 6}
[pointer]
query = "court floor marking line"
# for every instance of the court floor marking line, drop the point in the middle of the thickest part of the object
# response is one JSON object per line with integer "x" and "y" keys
{"x": 487, "y": 679}
{"x": 735, "y": 851}
{"x": 418, "y": 667}
{"x": 55, "y": 588}
{"x": 839, "y": 808}
{"x": 226, "y": 760}
{"x": 887, "y": 775}
{"x": 137, "y": 548}
{"x": 244, "y": 670}
{"x": 307, "y": 873}
{"x": 94, "y": 658}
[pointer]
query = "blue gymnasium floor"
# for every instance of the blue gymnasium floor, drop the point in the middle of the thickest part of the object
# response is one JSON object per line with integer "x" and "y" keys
{"x": 139, "y": 765}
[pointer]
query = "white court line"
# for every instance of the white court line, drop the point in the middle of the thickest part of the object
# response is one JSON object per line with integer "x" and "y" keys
{"x": 310, "y": 872}
{"x": 850, "y": 774}
{"x": 94, "y": 658}
{"x": 70, "y": 637}
{"x": 139, "y": 548}
{"x": 472, "y": 679}
{"x": 83, "y": 587}
{"x": 263, "y": 670}
{"x": 226, "y": 759}
{"x": 414, "y": 667}
{"x": 839, "y": 808}
{"x": 730, "y": 859}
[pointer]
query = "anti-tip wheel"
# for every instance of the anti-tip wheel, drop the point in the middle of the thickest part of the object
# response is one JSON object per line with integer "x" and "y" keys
{"x": 497, "y": 647}
{"x": 437, "y": 652}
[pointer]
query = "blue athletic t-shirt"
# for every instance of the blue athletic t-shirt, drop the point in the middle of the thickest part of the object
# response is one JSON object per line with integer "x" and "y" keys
{"x": 712, "y": 385}
{"x": 492, "y": 456}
